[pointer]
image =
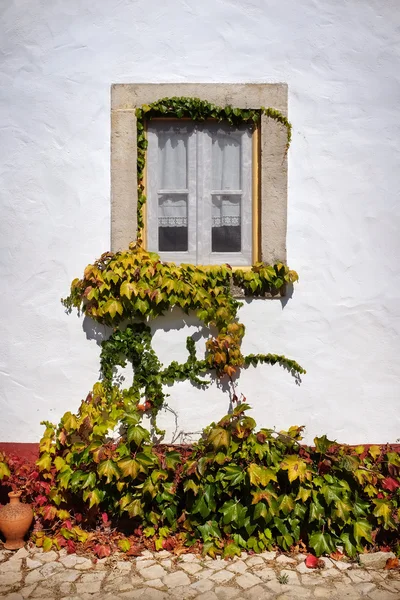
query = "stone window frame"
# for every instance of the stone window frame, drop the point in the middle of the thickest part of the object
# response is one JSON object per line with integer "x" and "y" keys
{"x": 272, "y": 165}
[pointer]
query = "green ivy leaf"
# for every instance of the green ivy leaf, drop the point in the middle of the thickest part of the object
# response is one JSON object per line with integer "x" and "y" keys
{"x": 219, "y": 438}
{"x": 322, "y": 543}
{"x": 172, "y": 459}
{"x": 260, "y": 475}
{"x": 129, "y": 467}
{"x": 362, "y": 529}
{"x": 108, "y": 469}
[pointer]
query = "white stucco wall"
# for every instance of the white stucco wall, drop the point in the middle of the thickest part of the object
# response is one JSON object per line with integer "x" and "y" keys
{"x": 341, "y": 62}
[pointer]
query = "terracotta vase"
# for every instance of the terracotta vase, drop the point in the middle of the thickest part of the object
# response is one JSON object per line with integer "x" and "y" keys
{"x": 15, "y": 520}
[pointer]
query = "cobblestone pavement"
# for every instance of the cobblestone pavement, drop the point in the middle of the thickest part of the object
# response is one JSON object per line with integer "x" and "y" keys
{"x": 163, "y": 576}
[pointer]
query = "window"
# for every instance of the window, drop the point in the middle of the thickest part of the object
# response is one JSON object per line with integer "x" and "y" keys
{"x": 199, "y": 192}
{"x": 202, "y": 211}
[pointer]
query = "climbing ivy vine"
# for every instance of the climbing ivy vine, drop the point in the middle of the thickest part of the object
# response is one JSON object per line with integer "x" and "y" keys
{"x": 136, "y": 285}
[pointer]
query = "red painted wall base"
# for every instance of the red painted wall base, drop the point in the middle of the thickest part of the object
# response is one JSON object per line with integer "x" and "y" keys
{"x": 30, "y": 452}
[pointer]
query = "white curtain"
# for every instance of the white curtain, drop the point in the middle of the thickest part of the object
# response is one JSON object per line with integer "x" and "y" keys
{"x": 225, "y": 210}
{"x": 226, "y": 161}
{"x": 172, "y": 160}
{"x": 172, "y": 210}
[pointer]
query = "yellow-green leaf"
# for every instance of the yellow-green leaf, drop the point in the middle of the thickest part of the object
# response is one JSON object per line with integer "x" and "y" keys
{"x": 296, "y": 468}
{"x": 44, "y": 462}
{"x": 108, "y": 469}
{"x": 129, "y": 467}
{"x": 260, "y": 475}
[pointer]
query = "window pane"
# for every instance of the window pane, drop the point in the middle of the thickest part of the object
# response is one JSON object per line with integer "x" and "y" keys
{"x": 226, "y": 160}
{"x": 172, "y": 159}
{"x": 172, "y": 223}
{"x": 226, "y": 231}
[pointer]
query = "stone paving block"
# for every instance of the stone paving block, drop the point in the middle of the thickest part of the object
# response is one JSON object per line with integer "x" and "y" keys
{"x": 144, "y": 564}
{"x": 275, "y": 586}
{"x": 176, "y": 579}
{"x": 33, "y": 564}
{"x": 347, "y": 592}
{"x": 12, "y": 578}
{"x": 166, "y": 563}
{"x": 42, "y": 592}
{"x": 322, "y": 592}
{"x": 258, "y": 592}
{"x": 144, "y": 594}
{"x": 191, "y": 568}
{"x": 26, "y": 591}
{"x": 163, "y": 554}
{"x": 222, "y": 576}
{"x": 19, "y": 554}
{"x": 183, "y": 593}
{"x": 266, "y": 574}
{"x": 383, "y": 595}
{"x": 123, "y": 566}
{"x": 122, "y": 583}
{"x": 50, "y": 568}
{"x": 291, "y": 576}
{"x": 237, "y": 567}
{"x": 91, "y": 587}
{"x": 205, "y": 573}
{"x": 285, "y": 560}
{"x": 375, "y": 560}
{"x": 268, "y": 555}
{"x": 188, "y": 558}
{"x": 303, "y": 569}
{"x": 14, "y": 596}
{"x": 227, "y": 592}
{"x": 365, "y": 588}
{"x": 359, "y": 576}
{"x": 46, "y": 557}
{"x": 313, "y": 578}
{"x": 247, "y": 580}
{"x": 341, "y": 564}
{"x": 208, "y": 596}
{"x": 254, "y": 561}
{"x": 67, "y": 588}
{"x": 203, "y": 585}
{"x": 66, "y": 575}
{"x": 71, "y": 560}
{"x": 217, "y": 565}
{"x": 153, "y": 572}
{"x": 12, "y": 566}
{"x": 32, "y": 577}
{"x": 96, "y": 577}
{"x": 156, "y": 583}
{"x": 327, "y": 562}
{"x": 331, "y": 574}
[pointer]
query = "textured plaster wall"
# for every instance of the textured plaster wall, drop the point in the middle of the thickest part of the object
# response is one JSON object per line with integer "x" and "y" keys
{"x": 341, "y": 63}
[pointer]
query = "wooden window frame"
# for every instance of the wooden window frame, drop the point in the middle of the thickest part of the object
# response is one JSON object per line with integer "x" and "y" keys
{"x": 269, "y": 158}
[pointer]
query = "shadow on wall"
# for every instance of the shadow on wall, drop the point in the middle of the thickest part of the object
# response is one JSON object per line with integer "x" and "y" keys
{"x": 175, "y": 320}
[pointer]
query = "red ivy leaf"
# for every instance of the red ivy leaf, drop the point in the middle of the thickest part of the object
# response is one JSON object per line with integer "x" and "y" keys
{"x": 71, "y": 547}
{"x": 336, "y": 555}
{"x": 41, "y": 500}
{"x": 392, "y": 563}
{"x": 104, "y": 518}
{"x": 311, "y": 562}
{"x": 390, "y": 484}
{"x": 102, "y": 550}
{"x": 169, "y": 544}
{"x": 49, "y": 512}
{"x": 67, "y": 524}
